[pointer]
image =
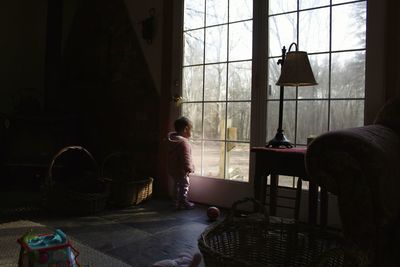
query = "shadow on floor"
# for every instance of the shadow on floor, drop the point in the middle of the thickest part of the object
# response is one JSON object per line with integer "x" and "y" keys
{"x": 138, "y": 235}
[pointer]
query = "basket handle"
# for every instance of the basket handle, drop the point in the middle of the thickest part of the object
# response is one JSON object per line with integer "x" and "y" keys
{"x": 63, "y": 150}
{"x": 107, "y": 158}
{"x": 258, "y": 208}
{"x": 111, "y": 156}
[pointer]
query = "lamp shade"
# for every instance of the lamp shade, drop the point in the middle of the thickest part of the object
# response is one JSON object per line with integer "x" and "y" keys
{"x": 296, "y": 70}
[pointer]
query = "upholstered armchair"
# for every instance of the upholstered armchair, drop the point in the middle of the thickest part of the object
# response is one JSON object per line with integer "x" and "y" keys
{"x": 362, "y": 167}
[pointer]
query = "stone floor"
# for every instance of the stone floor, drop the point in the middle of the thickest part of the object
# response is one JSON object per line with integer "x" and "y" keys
{"x": 138, "y": 235}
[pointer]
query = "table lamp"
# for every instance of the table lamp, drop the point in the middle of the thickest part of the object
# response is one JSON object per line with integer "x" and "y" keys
{"x": 295, "y": 71}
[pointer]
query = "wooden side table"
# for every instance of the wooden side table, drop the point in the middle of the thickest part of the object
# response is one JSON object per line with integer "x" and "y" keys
{"x": 290, "y": 162}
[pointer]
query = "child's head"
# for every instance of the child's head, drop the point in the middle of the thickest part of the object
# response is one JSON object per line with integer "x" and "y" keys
{"x": 183, "y": 126}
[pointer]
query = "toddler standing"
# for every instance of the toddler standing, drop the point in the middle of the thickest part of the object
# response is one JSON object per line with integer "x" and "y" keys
{"x": 180, "y": 162}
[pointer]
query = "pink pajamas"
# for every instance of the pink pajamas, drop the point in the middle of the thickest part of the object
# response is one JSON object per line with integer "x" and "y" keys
{"x": 180, "y": 164}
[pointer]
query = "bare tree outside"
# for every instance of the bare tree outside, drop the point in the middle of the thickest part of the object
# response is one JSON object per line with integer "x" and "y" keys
{"x": 334, "y": 38}
{"x": 337, "y": 57}
{"x": 217, "y": 85}
{"x": 217, "y": 75}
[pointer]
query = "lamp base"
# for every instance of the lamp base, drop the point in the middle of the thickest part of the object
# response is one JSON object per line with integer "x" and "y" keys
{"x": 279, "y": 141}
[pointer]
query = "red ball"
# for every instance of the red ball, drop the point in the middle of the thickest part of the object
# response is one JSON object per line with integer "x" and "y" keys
{"x": 213, "y": 213}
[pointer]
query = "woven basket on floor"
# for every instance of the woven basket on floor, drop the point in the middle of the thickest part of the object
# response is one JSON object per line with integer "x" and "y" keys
{"x": 126, "y": 188}
{"x": 255, "y": 241}
{"x": 75, "y": 195}
{"x": 125, "y": 193}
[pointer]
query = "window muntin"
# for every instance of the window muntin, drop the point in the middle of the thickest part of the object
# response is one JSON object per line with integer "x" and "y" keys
{"x": 333, "y": 33}
{"x": 336, "y": 51}
{"x": 216, "y": 85}
{"x": 217, "y": 74}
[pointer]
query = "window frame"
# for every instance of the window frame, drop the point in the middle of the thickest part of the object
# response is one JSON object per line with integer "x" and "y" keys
{"x": 329, "y": 99}
{"x": 374, "y": 66}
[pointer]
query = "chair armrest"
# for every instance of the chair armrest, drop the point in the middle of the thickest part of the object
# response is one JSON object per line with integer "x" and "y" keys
{"x": 362, "y": 167}
{"x": 370, "y": 153}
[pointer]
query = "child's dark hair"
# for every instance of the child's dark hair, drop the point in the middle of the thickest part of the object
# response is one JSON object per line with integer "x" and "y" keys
{"x": 180, "y": 123}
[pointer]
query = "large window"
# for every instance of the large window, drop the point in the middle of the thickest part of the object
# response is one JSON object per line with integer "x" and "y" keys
{"x": 333, "y": 34}
{"x": 216, "y": 84}
{"x": 217, "y": 74}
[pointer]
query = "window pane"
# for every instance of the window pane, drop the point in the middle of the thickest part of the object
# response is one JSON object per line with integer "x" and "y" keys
{"x": 282, "y": 31}
{"x": 336, "y": 51}
{"x": 213, "y": 159}
{"x": 340, "y": 1}
{"x": 320, "y": 67}
{"x": 238, "y": 121}
{"x": 289, "y": 118}
{"x": 193, "y": 46}
{"x": 286, "y": 181}
{"x": 216, "y": 44}
{"x": 214, "y": 121}
{"x": 240, "y": 40}
{"x": 197, "y": 156}
{"x": 312, "y": 3}
{"x": 215, "y": 82}
{"x": 205, "y": 74}
{"x": 289, "y": 114}
{"x": 193, "y": 14}
{"x": 348, "y": 74}
{"x": 237, "y": 161}
{"x": 240, "y": 10}
{"x": 312, "y": 119}
{"x": 272, "y": 118}
{"x": 314, "y": 23}
{"x": 192, "y": 85}
{"x": 217, "y": 12}
{"x": 194, "y": 111}
{"x": 349, "y": 26}
{"x": 289, "y": 92}
{"x": 274, "y": 71}
{"x": 279, "y": 6}
{"x": 239, "y": 81}
{"x": 346, "y": 114}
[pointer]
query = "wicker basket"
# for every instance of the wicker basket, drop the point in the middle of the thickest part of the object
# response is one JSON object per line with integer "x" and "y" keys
{"x": 254, "y": 241}
{"x": 125, "y": 188}
{"x": 69, "y": 196}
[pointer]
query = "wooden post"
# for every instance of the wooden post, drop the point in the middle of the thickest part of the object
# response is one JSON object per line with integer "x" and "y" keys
{"x": 232, "y": 136}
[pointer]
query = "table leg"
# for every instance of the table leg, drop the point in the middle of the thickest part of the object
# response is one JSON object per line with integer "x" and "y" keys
{"x": 298, "y": 199}
{"x": 324, "y": 207}
{"x": 259, "y": 184}
{"x": 312, "y": 203}
{"x": 273, "y": 192}
{"x": 263, "y": 189}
